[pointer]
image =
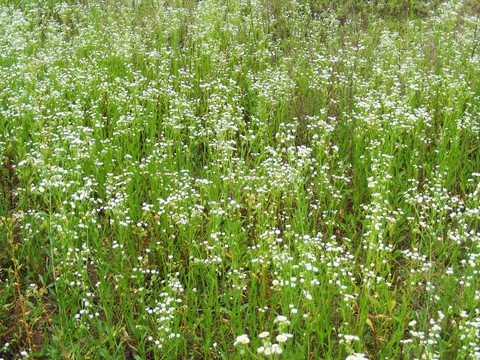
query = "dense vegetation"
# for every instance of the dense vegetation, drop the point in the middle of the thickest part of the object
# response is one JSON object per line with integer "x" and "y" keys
{"x": 239, "y": 179}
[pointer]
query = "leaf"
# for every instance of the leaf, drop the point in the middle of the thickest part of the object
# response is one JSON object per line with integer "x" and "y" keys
{"x": 369, "y": 323}
{"x": 391, "y": 305}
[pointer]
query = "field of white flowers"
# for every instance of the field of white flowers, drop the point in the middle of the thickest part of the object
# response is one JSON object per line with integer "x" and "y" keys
{"x": 239, "y": 179}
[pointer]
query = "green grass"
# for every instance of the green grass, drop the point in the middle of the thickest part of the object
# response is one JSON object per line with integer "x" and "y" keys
{"x": 176, "y": 174}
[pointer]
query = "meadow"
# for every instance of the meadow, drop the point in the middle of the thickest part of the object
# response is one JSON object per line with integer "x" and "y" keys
{"x": 239, "y": 179}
